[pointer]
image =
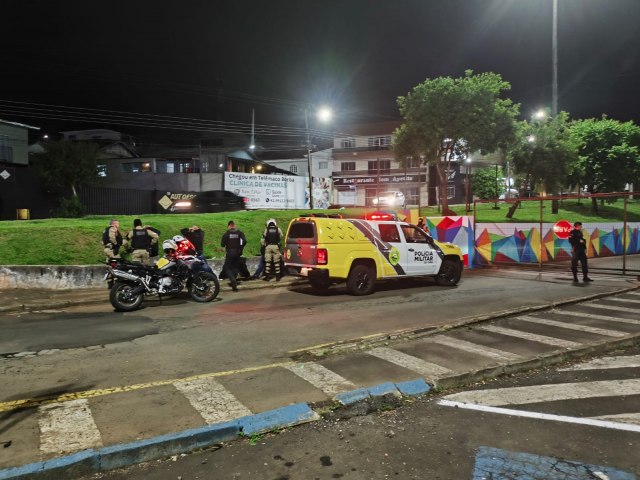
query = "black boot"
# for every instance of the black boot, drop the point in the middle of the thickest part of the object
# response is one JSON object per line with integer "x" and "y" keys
{"x": 586, "y": 279}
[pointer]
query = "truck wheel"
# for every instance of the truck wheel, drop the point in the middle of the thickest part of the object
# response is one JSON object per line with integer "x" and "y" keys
{"x": 361, "y": 280}
{"x": 319, "y": 284}
{"x": 450, "y": 273}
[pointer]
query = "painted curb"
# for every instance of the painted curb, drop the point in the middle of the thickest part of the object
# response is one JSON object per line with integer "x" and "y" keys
{"x": 92, "y": 461}
{"x": 410, "y": 388}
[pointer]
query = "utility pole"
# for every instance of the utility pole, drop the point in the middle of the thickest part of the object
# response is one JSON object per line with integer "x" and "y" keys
{"x": 554, "y": 48}
{"x": 306, "y": 122}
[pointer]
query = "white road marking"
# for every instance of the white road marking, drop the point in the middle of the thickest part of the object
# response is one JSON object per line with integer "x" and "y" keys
{"x": 427, "y": 369}
{"x": 494, "y": 353}
{"x": 595, "y": 316}
{"x": 211, "y": 400}
{"x": 549, "y": 393}
{"x": 572, "y": 326}
{"x": 556, "y": 342}
{"x": 631, "y": 361}
{"x": 542, "y": 416}
{"x": 625, "y": 300}
{"x": 633, "y": 418}
{"x": 321, "y": 377}
{"x": 612, "y": 307}
{"x": 67, "y": 427}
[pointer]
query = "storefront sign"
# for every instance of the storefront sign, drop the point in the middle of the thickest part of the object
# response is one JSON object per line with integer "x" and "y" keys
{"x": 375, "y": 179}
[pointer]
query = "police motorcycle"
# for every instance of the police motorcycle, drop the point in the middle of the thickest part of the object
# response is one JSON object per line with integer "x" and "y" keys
{"x": 177, "y": 269}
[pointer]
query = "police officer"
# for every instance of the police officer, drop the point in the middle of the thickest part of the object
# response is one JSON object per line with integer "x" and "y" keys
{"x": 578, "y": 253}
{"x": 140, "y": 240}
{"x": 112, "y": 239}
{"x": 271, "y": 238}
{"x": 233, "y": 241}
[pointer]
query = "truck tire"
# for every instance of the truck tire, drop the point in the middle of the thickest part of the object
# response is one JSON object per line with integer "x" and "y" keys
{"x": 361, "y": 280}
{"x": 450, "y": 272}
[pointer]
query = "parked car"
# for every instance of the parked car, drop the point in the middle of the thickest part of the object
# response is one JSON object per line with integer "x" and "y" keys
{"x": 210, "y": 202}
{"x": 390, "y": 199}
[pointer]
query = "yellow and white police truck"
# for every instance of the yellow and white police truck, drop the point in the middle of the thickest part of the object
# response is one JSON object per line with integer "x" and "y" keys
{"x": 331, "y": 250}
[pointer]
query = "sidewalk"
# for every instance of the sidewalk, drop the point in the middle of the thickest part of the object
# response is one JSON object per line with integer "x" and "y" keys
{"x": 32, "y": 299}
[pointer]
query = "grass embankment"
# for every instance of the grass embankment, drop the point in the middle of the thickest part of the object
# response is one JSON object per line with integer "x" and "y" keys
{"x": 61, "y": 241}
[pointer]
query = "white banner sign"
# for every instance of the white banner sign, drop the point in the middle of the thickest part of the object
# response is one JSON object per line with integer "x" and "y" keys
{"x": 278, "y": 191}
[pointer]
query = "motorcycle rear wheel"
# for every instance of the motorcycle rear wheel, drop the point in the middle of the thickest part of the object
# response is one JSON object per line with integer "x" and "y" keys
{"x": 122, "y": 299}
{"x": 204, "y": 287}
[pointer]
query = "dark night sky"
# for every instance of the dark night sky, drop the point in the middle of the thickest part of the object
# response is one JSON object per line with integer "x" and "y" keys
{"x": 175, "y": 58}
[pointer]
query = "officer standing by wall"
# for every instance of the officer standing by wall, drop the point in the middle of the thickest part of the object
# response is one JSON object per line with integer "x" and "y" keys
{"x": 140, "y": 240}
{"x": 112, "y": 239}
{"x": 271, "y": 239}
{"x": 233, "y": 241}
{"x": 578, "y": 253}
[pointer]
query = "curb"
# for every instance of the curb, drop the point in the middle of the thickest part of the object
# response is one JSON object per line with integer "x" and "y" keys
{"x": 92, "y": 461}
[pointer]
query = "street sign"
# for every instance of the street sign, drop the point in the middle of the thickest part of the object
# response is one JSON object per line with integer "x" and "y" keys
{"x": 562, "y": 229}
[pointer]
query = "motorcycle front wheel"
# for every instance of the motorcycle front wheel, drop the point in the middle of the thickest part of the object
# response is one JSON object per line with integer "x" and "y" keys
{"x": 124, "y": 297}
{"x": 204, "y": 287}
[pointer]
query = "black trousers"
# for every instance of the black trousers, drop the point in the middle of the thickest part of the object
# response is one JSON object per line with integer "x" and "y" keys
{"x": 231, "y": 266}
{"x": 579, "y": 256}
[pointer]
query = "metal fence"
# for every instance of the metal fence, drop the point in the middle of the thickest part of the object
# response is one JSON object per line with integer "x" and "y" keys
{"x": 615, "y": 240}
{"x": 118, "y": 201}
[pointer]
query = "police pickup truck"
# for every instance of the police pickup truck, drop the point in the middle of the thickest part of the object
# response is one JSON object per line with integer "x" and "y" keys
{"x": 360, "y": 252}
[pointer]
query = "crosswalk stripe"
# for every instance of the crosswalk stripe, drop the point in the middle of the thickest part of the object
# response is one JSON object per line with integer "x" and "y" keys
{"x": 211, "y": 400}
{"x": 494, "y": 353}
{"x": 321, "y": 377}
{"x": 625, "y": 300}
{"x": 427, "y": 369}
{"x": 67, "y": 427}
{"x": 549, "y": 393}
{"x": 556, "y": 342}
{"x": 629, "y": 361}
{"x": 572, "y": 326}
{"x": 595, "y": 316}
{"x": 633, "y": 418}
{"x": 612, "y": 307}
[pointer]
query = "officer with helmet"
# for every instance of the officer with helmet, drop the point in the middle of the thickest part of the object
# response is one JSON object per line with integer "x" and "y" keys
{"x": 271, "y": 240}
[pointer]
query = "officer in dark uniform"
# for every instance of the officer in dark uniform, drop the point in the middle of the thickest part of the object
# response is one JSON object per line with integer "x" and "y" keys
{"x": 578, "y": 253}
{"x": 139, "y": 240}
{"x": 233, "y": 241}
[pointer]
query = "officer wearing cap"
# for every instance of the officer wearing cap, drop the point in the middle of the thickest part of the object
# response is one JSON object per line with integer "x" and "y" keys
{"x": 578, "y": 253}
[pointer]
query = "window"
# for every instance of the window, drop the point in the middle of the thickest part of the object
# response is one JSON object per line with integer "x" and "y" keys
{"x": 101, "y": 170}
{"x": 302, "y": 230}
{"x": 389, "y": 232}
{"x": 382, "y": 167}
{"x": 370, "y": 194}
{"x": 412, "y": 195}
{"x": 348, "y": 166}
{"x": 414, "y": 162}
{"x": 166, "y": 167}
{"x": 451, "y": 191}
{"x": 6, "y": 152}
{"x": 185, "y": 167}
{"x": 348, "y": 143}
{"x": 323, "y": 165}
{"x": 293, "y": 168}
{"x": 384, "y": 141}
{"x": 136, "y": 167}
{"x": 414, "y": 234}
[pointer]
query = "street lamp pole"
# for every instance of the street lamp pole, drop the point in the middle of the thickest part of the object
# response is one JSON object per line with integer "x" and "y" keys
{"x": 306, "y": 122}
{"x": 554, "y": 48}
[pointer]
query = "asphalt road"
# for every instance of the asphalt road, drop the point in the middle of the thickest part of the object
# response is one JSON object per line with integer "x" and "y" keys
{"x": 426, "y": 439}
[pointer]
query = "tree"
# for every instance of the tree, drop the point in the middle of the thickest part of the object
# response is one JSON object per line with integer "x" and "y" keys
{"x": 445, "y": 118}
{"x": 67, "y": 165}
{"x": 542, "y": 154}
{"x": 608, "y": 155}
{"x": 485, "y": 184}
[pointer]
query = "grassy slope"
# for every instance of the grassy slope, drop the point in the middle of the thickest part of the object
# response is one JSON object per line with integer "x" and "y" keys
{"x": 77, "y": 241}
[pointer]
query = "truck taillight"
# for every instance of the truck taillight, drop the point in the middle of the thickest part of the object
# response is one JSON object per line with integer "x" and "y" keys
{"x": 322, "y": 257}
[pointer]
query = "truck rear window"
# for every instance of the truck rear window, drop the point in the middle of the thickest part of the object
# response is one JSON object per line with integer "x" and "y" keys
{"x": 304, "y": 230}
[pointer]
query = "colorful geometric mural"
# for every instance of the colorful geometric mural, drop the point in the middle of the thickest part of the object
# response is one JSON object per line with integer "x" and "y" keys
{"x": 456, "y": 230}
{"x": 522, "y": 243}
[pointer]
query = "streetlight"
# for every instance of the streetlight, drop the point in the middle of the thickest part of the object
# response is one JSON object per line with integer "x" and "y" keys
{"x": 323, "y": 114}
{"x": 468, "y": 184}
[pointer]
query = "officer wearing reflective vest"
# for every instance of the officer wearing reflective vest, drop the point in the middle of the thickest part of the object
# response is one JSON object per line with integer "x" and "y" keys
{"x": 139, "y": 240}
{"x": 271, "y": 239}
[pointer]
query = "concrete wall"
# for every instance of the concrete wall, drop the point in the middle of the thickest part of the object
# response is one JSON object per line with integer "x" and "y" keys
{"x": 71, "y": 276}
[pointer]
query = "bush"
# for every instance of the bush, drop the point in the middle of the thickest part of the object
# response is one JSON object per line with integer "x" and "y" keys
{"x": 71, "y": 208}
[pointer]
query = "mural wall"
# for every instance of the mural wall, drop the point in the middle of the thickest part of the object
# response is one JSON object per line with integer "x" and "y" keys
{"x": 521, "y": 242}
{"x": 457, "y": 230}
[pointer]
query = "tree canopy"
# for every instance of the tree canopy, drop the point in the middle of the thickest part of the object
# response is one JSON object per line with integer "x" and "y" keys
{"x": 67, "y": 165}
{"x": 445, "y": 118}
